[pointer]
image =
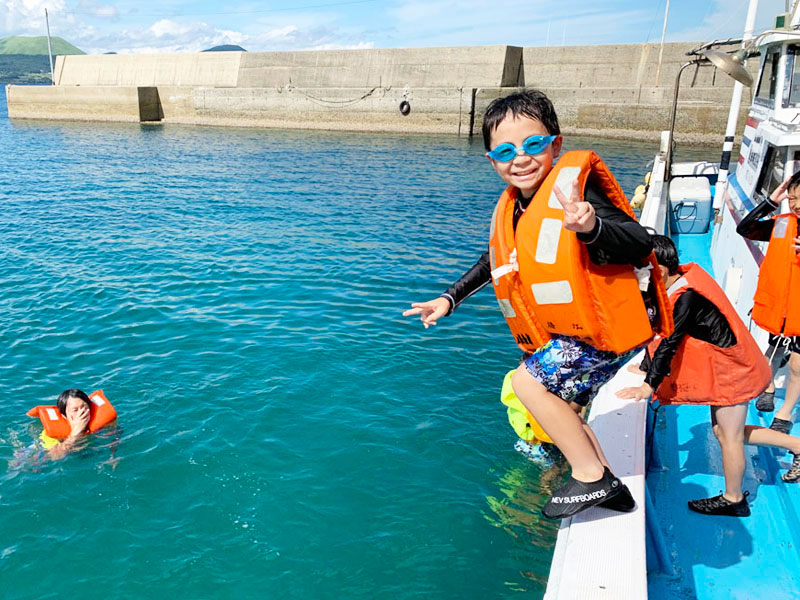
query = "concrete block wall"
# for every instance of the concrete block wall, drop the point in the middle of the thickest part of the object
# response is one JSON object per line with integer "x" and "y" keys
{"x": 490, "y": 66}
{"x": 84, "y": 103}
{"x": 218, "y": 69}
{"x": 602, "y": 90}
{"x": 433, "y": 110}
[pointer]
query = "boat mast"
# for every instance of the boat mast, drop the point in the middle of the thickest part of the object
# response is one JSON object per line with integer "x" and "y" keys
{"x": 661, "y": 49}
{"x": 733, "y": 114}
{"x": 49, "y": 48}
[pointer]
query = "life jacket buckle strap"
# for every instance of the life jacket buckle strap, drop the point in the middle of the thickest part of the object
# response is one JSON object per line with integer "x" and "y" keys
{"x": 503, "y": 270}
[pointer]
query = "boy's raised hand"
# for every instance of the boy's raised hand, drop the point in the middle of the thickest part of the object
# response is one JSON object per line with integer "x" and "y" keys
{"x": 578, "y": 215}
{"x": 429, "y": 312}
{"x": 780, "y": 193}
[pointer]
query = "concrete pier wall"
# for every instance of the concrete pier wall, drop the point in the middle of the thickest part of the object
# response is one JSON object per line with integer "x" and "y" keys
{"x": 598, "y": 90}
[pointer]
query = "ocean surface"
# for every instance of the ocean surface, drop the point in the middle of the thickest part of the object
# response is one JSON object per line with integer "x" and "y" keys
{"x": 283, "y": 431}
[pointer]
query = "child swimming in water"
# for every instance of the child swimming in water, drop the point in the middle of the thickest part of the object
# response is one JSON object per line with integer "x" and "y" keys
{"x": 75, "y": 405}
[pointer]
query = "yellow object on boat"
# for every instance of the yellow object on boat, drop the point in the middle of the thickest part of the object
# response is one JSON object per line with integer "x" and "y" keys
{"x": 521, "y": 421}
{"x": 639, "y": 196}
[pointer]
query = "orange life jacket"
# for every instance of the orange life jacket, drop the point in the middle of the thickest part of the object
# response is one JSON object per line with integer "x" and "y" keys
{"x": 101, "y": 413}
{"x": 545, "y": 281}
{"x": 776, "y": 305}
{"x": 702, "y": 373}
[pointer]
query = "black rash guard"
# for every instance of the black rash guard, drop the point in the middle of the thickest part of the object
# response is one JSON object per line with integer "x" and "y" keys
{"x": 697, "y": 317}
{"x": 755, "y": 226}
{"x": 615, "y": 240}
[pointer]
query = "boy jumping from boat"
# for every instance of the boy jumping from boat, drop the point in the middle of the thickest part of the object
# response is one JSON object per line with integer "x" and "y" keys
{"x": 711, "y": 359}
{"x": 570, "y": 267}
{"x": 775, "y": 306}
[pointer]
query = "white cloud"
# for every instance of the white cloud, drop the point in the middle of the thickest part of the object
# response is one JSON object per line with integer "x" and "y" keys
{"x": 95, "y": 9}
{"x": 26, "y": 17}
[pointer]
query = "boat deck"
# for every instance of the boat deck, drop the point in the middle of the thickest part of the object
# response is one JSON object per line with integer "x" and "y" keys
{"x": 721, "y": 557}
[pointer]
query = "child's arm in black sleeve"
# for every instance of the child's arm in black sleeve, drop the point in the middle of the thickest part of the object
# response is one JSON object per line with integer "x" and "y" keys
{"x": 615, "y": 233}
{"x": 660, "y": 364}
{"x": 470, "y": 282}
{"x": 754, "y": 226}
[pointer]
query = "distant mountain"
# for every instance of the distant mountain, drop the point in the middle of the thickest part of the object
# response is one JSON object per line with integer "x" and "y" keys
{"x": 226, "y": 48}
{"x": 24, "y": 59}
{"x": 36, "y": 46}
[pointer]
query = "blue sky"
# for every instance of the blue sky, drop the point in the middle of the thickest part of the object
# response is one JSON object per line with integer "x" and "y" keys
{"x": 98, "y": 26}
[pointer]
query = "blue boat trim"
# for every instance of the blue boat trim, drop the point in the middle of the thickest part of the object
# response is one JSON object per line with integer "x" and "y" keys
{"x": 743, "y": 198}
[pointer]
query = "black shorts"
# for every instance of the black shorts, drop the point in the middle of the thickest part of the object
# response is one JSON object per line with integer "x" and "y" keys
{"x": 782, "y": 345}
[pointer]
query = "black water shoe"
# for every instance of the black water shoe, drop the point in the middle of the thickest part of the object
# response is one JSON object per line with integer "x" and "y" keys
{"x": 781, "y": 425}
{"x": 720, "y": 505}
{"x": 766, "y": 402}
{"x": 622, "y": 502}
{"x": 576, "y": 496}
{"x": 793, "y": 474}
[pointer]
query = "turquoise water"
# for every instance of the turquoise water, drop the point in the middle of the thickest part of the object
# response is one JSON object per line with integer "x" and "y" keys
{"x": 283, "y": 431}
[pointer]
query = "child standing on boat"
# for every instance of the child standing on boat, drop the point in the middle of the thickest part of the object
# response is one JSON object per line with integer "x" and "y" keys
{"x": 570, "y": 267}
{"x": 778, "y": 293}
{"x": 711, "y": 359}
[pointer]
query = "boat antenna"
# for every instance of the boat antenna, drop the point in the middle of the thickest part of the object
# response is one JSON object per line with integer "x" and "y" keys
{"x": 733, "y": 114}
{"x": 49, "y": 48}
{"x": 661, "y": 49}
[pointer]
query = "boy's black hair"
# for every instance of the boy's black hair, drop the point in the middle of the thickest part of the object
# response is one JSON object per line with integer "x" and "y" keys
{"x": 66, "y": 395}
{"x": 794, "y": 181}
{"x": 666, "y": 253}
{"x": 530, "y": 103}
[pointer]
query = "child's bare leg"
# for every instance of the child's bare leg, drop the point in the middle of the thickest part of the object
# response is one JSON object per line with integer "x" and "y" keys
{"x": 775, "y": 356}
{"x": 764, "y": 436}
{"x": 596, "y": 443}
{"x": 560, "y": 422}
{"x": 792, "y": 389}
{"x": 729, "y": 430}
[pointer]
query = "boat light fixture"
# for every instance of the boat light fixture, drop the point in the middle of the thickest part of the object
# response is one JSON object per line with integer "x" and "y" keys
{"x": 731, "y": 64}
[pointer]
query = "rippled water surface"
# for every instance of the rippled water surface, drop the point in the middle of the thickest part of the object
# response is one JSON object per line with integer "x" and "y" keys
{"x": 283, "y": 431}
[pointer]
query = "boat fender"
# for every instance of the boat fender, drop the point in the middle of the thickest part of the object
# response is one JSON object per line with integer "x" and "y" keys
{"x": 101, "y": 414}
{"x": 639, "y": 196}
{"x": 405, "y": 108}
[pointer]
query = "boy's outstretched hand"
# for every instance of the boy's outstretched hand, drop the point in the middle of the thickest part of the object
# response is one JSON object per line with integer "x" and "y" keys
{"x": 637, "y": 393}
{"x": 578, "y": 215}
{"x": 429, "y": 312}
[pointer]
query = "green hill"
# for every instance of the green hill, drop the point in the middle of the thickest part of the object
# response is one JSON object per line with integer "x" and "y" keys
{"x": 36, "y": 46}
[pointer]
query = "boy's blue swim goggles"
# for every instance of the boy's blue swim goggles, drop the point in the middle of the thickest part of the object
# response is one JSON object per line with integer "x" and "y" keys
{"x": 533, "y": 145}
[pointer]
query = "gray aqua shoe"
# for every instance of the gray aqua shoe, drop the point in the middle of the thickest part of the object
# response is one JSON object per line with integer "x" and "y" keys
{"x": 766, "y": 402}
{"x": 721, "y": 506}
{"x": 793, "y": 474}
{"x": 781, "y": 425}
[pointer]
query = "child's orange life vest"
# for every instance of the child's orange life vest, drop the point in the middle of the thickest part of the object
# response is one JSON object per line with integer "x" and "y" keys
{"x": 702, "y": 373}
{"x": 545, "y": 281}
{"x": 101, "y": 413}
{"x": 776, "y": 305}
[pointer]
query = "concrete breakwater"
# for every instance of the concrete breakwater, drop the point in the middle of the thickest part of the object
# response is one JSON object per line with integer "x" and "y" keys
{"x": 600, "y": 90}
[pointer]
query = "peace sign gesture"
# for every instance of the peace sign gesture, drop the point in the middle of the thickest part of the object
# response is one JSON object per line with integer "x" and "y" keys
{"x": 578, "y": 215}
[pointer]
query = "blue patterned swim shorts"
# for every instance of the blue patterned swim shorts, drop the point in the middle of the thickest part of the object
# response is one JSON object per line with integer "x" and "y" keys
{"x": 573, "y": 370}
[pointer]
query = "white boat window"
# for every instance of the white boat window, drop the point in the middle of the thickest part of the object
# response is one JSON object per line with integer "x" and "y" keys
{"x": 793, "y": 71}
{"x": 771, "y": 172}
{"x": 765, "y": 93}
